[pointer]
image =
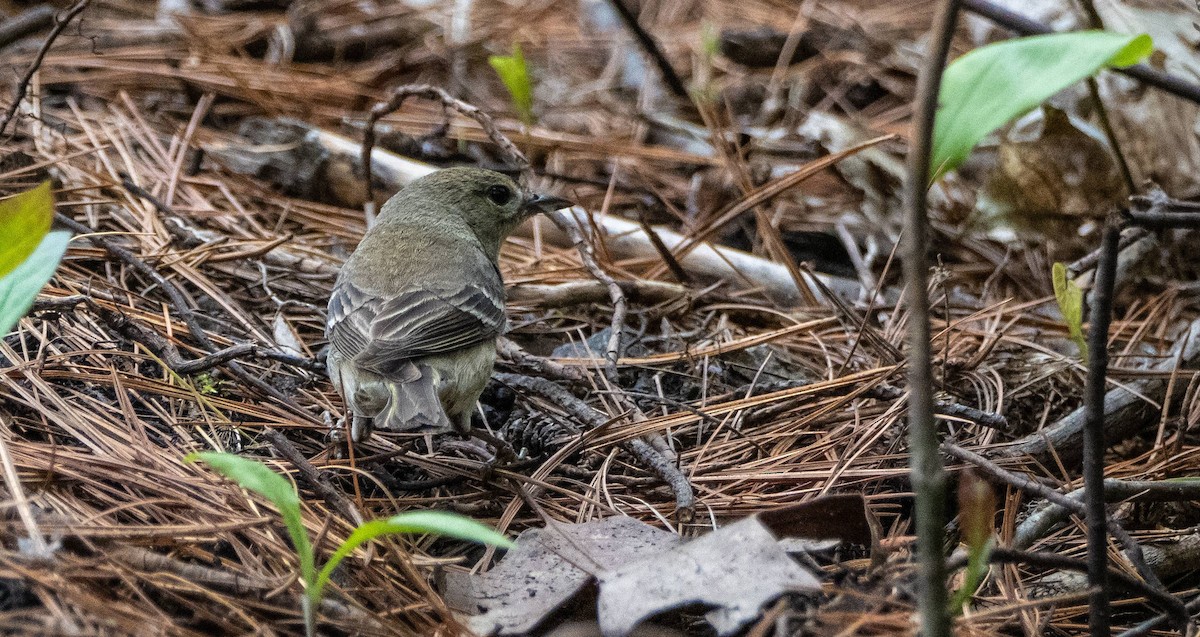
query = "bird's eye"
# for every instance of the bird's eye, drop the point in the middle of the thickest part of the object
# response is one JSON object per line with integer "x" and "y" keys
{"x": 499, "y": 195}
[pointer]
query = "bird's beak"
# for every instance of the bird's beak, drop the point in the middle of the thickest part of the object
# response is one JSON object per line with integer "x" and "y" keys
{"x": 536, "y": 203}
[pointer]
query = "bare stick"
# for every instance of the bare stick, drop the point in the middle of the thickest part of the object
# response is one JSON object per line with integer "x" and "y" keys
{"x": 1000, "y": 555}
{"x": 616, "y": 295}
{"x": 169, "y": 353}
{"x": 1144, "y": 73}
{"x": 180, "y": 305}
{"x": 25, "y": 23}
{"x": 1156, "y": 210}
{"x": 402, "y": 93}
{"x": 928, "y": 474}
{"x": 1132, "y": 549}
{"x": 1093, "y": 430}
{"x": 650, "y": 47}
{"x": 23, "y": 84}
{"x": 333, "y": 497}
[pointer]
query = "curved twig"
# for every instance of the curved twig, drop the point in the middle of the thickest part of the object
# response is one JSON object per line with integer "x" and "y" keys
{"x": 23, "y": 84}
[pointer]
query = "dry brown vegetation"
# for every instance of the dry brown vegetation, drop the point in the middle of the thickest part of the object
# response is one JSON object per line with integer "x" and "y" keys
{"x": 760, "y": 389}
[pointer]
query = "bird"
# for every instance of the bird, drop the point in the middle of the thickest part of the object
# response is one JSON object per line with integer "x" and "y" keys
{"x": 417, "y": 308}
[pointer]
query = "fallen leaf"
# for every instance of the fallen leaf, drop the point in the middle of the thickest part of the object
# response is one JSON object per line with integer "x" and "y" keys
{"x": 737, "y": 568}
{"x": 546, "y": 569}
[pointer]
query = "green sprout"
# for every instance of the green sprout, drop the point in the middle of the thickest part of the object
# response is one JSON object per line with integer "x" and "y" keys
{"x": 257, "y": 477}
{"x": 1070, "y": 303}
{"x": 515, "y": 75}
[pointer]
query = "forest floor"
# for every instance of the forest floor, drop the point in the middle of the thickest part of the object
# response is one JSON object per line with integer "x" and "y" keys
{"x": 213, "y": 157}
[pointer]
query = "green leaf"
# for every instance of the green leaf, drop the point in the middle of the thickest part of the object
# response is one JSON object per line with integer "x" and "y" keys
{"x": 515, "y": 75}
{"x": 24, "y": 221}
{"x": 20, "y": 287}
{"x": 1070, "y": 303}
{"x": 414, "y": 522}
{"x": 257, "y": 477}
{"x": 994, "y": 84}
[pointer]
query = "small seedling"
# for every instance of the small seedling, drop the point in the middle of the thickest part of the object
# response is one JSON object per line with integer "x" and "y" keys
{"x": 515, "y": 75}
{"x": 207, "y": 384}
{"x": 976, "y": 508}
{"x": 255, "y": 476}
{"x": 1070, "y": 303}
{"x": 29, "y": 253}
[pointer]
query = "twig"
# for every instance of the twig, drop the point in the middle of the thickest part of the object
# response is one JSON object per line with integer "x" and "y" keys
{"x": 616, "y": 295}
{"x": 1093, "y": 430}
{"x": 23, "y": 84}
{"x": 585, "y": 292}
{"x": 928, "y": 474}
{"x": 179, "y": 304}
{"x": 1127, "y": 408}
{"x": 1155, "y": 210}
{"x": 580, "y": 411}
{"x": 333, "y": 497}
{"x": 946, "y": 408}
{"x": 1001, "y": 555}
{"x": 1089, "y": 260}
{"x": 402, "y": 93}
{"x": 544, "y": 367}
{"x": 1102, "y": 112}
{"x": 1133, "y": 550}
{"x": 1145, "y": 627}
{"x": 169, "y": 353}
{"x": 25, "y": 23}
{"x": 650, "y": 47}
{"x": 1142, "y": 72}
{"x": 1050, "y": 514}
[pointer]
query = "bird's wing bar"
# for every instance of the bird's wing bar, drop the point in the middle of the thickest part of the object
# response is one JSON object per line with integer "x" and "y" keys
{"x": 381, "y": 332}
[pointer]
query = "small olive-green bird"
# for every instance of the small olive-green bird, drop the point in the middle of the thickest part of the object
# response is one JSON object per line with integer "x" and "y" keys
{"x": 416, "y": 310}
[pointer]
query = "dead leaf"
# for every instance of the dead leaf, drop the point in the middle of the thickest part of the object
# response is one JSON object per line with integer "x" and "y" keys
{"x": 548, "y": 567}
{"x": 643, "y": 571}
{"x": 1050, "y": 179}
{"x": 737, "y": 568}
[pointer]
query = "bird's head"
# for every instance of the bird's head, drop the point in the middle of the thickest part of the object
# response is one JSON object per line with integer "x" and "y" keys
{"x": 490, "y": 203}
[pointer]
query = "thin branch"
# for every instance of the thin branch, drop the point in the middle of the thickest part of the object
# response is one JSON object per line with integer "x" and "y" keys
{"x": 1147, "y": 626}
{"x": 1105, "y": 123}
{"x": 1156, "y": 210}
{"x": 523, "y": 360}
{"x": 571, "y": 227}
{"x": 1001, "y": 555}
{"x": 1089, "y": 260}
{"x": 25, "y": 23}
{"x": 1093, "y": 430}
{"x": 928, "y": 474}
{"x": 1141, "y": 72}
{"x": 946, "y": 408}
{"x": 402, "y": 93}
{"x": 23, "y": 84}
{"x": 333, "y": 497}
{"x": 169, "y": 353}
{"x": 1132, "y": 549}
{"x": 179, "y": 304}
{"x": 651, "y": 48}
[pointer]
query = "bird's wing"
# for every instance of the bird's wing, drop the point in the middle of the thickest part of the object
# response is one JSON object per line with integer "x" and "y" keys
{"x": 381, "y": 332}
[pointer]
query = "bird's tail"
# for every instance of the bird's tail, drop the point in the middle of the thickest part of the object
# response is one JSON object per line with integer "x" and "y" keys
{"x": 412, "y": 402}
{"x": 406, "y": 400}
